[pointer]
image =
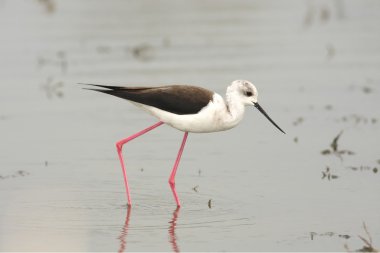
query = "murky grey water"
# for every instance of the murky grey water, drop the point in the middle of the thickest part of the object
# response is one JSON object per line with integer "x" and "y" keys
{"x": 316, "y": 65}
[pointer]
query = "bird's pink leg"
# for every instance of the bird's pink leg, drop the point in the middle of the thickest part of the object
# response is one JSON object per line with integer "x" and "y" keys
{"x": 174, "y": 171}
{"x": 119, "y": 146}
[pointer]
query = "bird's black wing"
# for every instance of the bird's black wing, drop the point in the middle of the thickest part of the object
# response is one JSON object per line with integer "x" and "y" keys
{"x": 178, "y": 99}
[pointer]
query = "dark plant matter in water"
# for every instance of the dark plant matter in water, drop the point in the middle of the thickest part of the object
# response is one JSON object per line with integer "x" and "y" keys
{"x": 19, "y": 173}
{"x": 366, "y": 239}
{"x": 334, "y": 148}
{"x": 327, "y": 174}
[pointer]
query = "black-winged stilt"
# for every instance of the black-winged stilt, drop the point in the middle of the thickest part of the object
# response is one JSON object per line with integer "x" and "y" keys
{"x": 189, "y": 109}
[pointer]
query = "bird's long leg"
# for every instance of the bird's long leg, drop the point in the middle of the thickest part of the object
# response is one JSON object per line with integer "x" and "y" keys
{"x": 174, "y": 171}
{"x": 119, "y": 147}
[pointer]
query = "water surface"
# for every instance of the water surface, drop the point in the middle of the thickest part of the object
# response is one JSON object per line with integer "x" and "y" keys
{"x": 315, "y": 63}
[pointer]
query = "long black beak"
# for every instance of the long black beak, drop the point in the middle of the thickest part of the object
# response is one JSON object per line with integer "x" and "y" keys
{"x": 267, "y": 116}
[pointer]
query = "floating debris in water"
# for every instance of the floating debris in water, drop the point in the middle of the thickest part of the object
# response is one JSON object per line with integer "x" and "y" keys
{"x": 209, "y": 203}
{"x": 334, "y": 148}
{"x": 363, "y": 168}
{"x": 142, "y": 169}
{"x": 367, "y": 89}
{"x": 53, "y": 88}
{"x": 19, "y": 173}
{"x": 195, "y": 188}
{"x": 334, "y": 144}
{"x": 22, "y": 173}
{"x": 46, "y": 163}
{"x": 323, "y": 13}
{"x": 59, "y": 60}
{"x": 328, "y": 107}
{"x": 143, "y": 52}
{"x": 367, "y": 86}
{"x": 327, "y": 174}
{"x": 298, "y": 121}
{"x": 295, "y": 139}
{"x": 313, "y": 235}
{"x": 326, "y": 152}
{"x": 62, "y": 60}
{"x": 357, "y": 119}
{"x": 49, "y": 5}
{"x": 368, "y": 244}
{"x": 199, "y": 172}
{"x": 330, "y": 51}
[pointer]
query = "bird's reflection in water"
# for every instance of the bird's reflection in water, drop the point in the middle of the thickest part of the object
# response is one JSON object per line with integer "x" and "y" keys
{"x": 172, "y": 227}
{"x": 172, "y": 236}
{"x": 124, "y": 232}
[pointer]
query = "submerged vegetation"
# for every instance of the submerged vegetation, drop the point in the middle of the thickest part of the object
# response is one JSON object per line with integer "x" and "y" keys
{"x": 327, "y": 174}
{"x": 367, "y": 240}
{"x": 334, "y": 148}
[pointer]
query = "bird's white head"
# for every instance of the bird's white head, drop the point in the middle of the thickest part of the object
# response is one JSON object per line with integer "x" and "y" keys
{"x": 245, "y": 92}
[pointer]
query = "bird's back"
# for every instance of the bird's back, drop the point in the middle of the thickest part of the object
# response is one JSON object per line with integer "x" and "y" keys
{"x": 177, "y": 99}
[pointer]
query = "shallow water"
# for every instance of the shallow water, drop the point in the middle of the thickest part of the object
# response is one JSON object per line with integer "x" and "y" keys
{"x": 315, "y": 64}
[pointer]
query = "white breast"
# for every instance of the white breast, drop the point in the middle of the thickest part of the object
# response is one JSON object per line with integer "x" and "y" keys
{"x": 212, "y": 118}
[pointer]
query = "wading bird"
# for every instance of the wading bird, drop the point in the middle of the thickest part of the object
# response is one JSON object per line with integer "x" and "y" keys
{"x": 188, "y": 109}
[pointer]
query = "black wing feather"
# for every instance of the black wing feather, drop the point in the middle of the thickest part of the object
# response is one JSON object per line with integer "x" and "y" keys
{"x": 178, "y": 99}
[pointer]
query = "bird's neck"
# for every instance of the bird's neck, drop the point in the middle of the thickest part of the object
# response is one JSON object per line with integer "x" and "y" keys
{"x": 235, "y": 109}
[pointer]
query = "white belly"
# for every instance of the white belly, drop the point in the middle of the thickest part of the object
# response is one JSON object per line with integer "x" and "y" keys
{"x": 213, "y": 118}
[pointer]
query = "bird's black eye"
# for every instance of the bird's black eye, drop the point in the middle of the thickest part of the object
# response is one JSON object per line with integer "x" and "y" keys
{"x": 248, "y": 93}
